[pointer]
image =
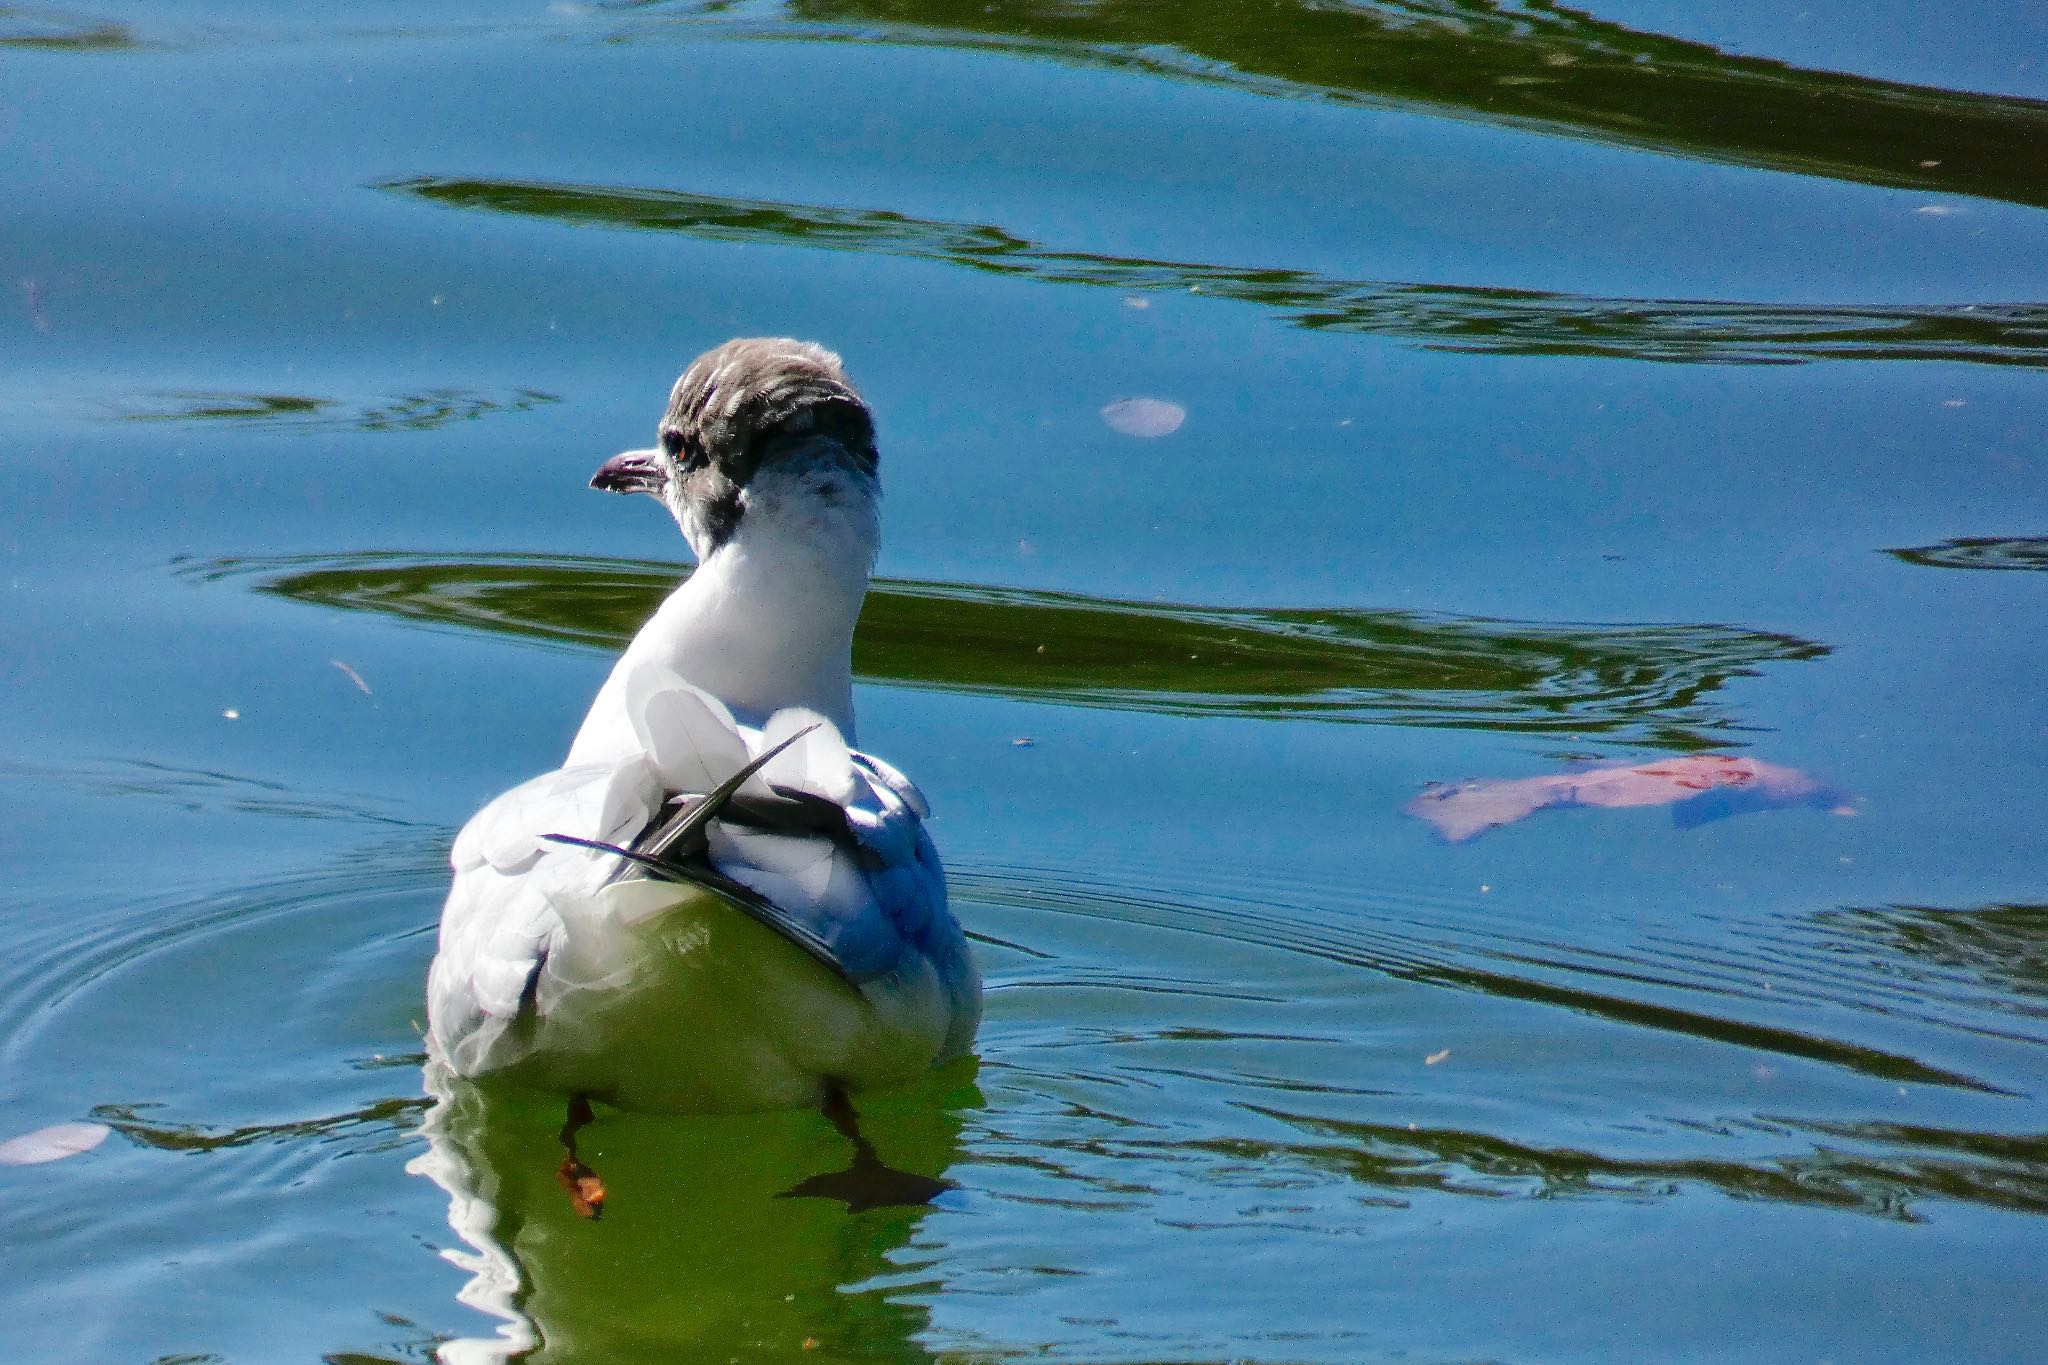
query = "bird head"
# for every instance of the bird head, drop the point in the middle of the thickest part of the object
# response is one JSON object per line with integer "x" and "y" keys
{"x": 759, "y": 426}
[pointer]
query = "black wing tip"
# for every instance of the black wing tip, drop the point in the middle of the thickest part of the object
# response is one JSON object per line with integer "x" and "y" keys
{"x": 747, "y": 901}
{"x": 667, "y": 871}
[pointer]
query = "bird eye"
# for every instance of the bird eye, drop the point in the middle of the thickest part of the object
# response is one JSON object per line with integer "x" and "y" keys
{"x": 672, "y": 442}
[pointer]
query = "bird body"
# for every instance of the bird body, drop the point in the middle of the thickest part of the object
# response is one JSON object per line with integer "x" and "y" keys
{"x": 716, "y": 903}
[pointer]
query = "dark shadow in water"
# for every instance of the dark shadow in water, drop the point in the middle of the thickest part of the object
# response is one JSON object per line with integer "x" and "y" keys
{"x": 1990, "y": 1170}
{"x": 384, "y": 1123}
{"x": 1636, "y": 685}
{"x": 1980, "y": 552}
{"x": 2005, "y": 947}
{"x": 421, "y": 411}
{"x": 1536, "y": 65}
{"x": 1436, "y": 316}
{"x": 866, "y": 1182}
{"x": 696, "y": 1257}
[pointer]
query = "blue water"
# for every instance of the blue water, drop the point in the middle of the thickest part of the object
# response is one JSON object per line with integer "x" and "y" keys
{"x": 1577, "y": 385}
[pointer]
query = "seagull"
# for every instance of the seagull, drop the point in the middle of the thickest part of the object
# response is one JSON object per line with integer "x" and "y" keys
{"x": 717, "y": 903}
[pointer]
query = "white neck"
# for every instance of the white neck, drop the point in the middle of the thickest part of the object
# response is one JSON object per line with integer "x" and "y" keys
{"x": 767, "y": 619}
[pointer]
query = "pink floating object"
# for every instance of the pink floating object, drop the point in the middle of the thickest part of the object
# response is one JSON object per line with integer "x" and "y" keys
{"x": 1698, "y": 787}
{"x": 54, "y": 1143}
{"x": 1144, "y": 416}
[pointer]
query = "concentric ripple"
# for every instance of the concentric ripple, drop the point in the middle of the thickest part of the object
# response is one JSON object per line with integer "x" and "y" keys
{"x": 1760, "y": 1059}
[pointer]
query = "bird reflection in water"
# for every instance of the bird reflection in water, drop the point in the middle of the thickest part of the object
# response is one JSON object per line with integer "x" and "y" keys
{"x": 727, "y": 1237}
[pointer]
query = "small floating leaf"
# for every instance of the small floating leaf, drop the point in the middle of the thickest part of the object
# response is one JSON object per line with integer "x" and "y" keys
{"x": 1145, "y": 416}
{"x": 54, "y": 1143}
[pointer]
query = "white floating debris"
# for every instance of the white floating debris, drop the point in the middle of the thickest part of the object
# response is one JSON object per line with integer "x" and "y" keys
{"x": 352, "y": 675}
{"x": 1145, "y": 417}
{"x": 54, "y": 1143}
{"x": 231, "y": 714}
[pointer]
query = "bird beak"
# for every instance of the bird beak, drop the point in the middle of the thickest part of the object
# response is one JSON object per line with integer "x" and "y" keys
{"x": 631, "y": 471}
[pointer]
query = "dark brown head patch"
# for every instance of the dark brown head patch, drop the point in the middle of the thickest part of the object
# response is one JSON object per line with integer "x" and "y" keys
{"x": 738, "y": 397}
{"x": 734, "y": 407}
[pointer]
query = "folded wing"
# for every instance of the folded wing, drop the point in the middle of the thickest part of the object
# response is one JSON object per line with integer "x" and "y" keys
{"x": 823, "y": 844}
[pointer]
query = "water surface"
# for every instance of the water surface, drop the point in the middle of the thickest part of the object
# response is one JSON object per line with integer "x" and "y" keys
{"x": 1561, "y": 386}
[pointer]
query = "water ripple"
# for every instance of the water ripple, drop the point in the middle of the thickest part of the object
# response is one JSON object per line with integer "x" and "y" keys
{"x": 1095, "y": 1127}
{"x": 1453, "y": 317}
{"x": 1735, "y": 991}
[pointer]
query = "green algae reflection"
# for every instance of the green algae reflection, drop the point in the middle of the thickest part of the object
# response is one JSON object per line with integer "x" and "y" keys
{"x": 1999, "y": 553}
{"x": 1446, "y": 317}
{"x": 1647, "y": 685}
{"x": 1539, "y": 66}
{"x": 422, "y": 411}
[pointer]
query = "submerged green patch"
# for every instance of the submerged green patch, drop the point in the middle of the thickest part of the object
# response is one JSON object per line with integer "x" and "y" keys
{"x": 1647, "y": 685}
